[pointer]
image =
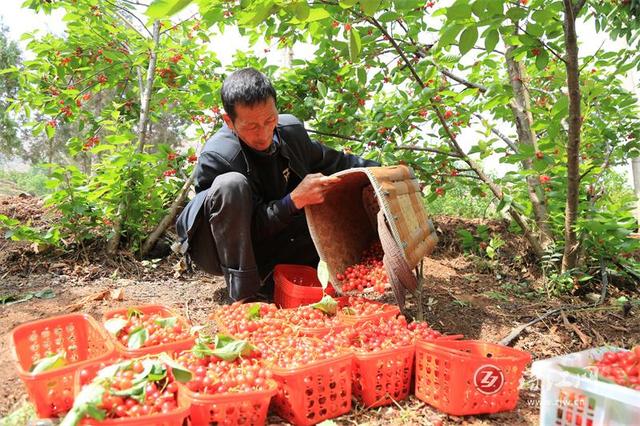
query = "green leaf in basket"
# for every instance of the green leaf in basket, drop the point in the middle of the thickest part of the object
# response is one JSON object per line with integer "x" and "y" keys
{"x": 148, "y": 365}
{"x": 201, "y": 350}
{"x": 585, "y": 372}
{"x": 133, "y": 312}
{"x": 348, "y": 310}
{"x": 137, "y": 338}
{"x": 234, "y": 350}
{"x": 86, "y": 404}
{"x": 157, "y": 373}
{"x": 327, "y": 304}
{"x": 323, "y": 274}
{"x": 167, "y": 322}
{"x": 49, "y": 363}
{"x": 253, "y": 313}
{"x": 111, "y": 370}
{"x": 180, "y": 373}
{"x": 136, "y": 391}
{"x": 114, "y": 325}
{"x": 220, "y": 340}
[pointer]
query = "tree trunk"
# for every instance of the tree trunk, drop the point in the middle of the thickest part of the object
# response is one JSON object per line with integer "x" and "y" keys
{"x": 569, "y": 259}
{"x": 171, "y": 214}
{"x": 521, "y": 107}
{"x": 635, "y": 167}
{"x": 145, "y": 99}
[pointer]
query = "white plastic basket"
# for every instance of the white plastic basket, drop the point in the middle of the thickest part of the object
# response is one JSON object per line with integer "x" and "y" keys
{"x": 569, "y": 399}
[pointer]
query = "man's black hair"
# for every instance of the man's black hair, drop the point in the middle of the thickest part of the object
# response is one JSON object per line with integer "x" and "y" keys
{"x": 248, "y": 87}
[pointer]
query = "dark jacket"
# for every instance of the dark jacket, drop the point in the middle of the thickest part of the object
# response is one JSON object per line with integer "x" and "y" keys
{"x": 223, "y": 153}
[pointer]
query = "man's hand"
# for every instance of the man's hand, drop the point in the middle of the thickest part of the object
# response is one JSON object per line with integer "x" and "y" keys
{"x": 312, "y": 189}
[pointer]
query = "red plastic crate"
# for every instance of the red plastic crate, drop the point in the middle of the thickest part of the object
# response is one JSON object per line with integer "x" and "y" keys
{"x": 174, "y": 418}
{"x": 246, "y": 408}
{"x": 297, "y": 285}
{"x": 176, "y": 346}
{"x": 83, "y": 340}
{"x": 468, "y": 376}
{"x": 386, "y": 311}
{"x": 315, "y": 392}
{"x": 379, "y": 378}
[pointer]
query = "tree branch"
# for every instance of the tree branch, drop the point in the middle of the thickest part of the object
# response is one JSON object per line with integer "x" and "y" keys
{"x": 461, "y": 80}
{"x": 501, "y": 135}
{"x": 546, "y": 46}
{"x": 333, "y": 135}
{"x": 433, "y": 150}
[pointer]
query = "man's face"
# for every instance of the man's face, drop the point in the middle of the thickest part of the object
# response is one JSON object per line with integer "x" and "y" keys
{"x": 255, "y": 124}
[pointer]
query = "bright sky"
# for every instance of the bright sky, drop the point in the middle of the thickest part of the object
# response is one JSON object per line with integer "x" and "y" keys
{"x": 21, "y": 20}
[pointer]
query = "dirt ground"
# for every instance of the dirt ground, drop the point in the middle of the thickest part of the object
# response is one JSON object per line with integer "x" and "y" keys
{"x": 464, "y": 294}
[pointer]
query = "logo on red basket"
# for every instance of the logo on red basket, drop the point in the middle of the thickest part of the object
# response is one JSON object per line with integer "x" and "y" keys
{"x": 488, "y": 379}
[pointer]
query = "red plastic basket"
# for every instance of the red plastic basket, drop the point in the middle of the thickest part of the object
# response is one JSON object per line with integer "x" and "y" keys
{"x": 176, "y": 346}
{"x": 174, "y": 418}
{"x": 468, "y": 376}
{"x": 315, "y": 392}
{"x": 83, "y": 340}
{"x": 386, "y": 311}
{"x": 380, "y": 378}
{"x": 297, "y": 285}
{"x": 246, "y": 408}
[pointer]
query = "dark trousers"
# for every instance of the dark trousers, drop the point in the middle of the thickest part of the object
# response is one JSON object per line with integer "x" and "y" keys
{"x": 245, "y": 263}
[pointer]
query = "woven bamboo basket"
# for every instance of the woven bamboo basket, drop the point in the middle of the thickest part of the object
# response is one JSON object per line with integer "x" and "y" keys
{"x": 373, "y": 203}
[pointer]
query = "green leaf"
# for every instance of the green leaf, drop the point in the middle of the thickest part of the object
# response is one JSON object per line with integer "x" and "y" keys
{"x": 491, "y": 40}
{"x": 369, "y": 7}
{"x": 346, "y": 4}
{"x": 201, "y": 350}
{"x": 133, "y": 312}
{"x": 516, "y": 13}
{"x": 114, "y": 325}
{"x": 49, "y": 363}
{"x": 50, "y": 131}
{"x": 542, "y": 59}
{"x": 253, "y": 312}
{"x": 323, "y": 274}
{"x": 180, "y": 373}
{"x": 322, "y": 89}
{"x": 449, "y": 35}
{"x": 233, "y": 350}
{"x": 134, "y": 391}
{"x": 317, "y": 14}
{"x": 496, "y": 7}
{"x": 583, "y": 372}
{"x": 355, "y": 45}
{"x": 166, "y": 8}
{"x": 362, "y": 76}
{"x": 327, "y": 304}
{"x": 459, "y": 11}
{"x": 301, "y": 10}
{"x": 222, "y": 340}
{"x": 137, "y": 338}
{"x": 111, "y": 370}
{"x": 468, "y": 39}
{"x": 86, "y": 404}
{"x": 167, "y": 322}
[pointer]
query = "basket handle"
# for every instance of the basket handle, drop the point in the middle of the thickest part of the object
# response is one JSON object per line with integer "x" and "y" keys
{"x": 400, "y": 275}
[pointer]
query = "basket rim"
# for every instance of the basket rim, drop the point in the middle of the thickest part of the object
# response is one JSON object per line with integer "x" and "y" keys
{"x": 23, "y": 328}
{"x": 547, "y": 369}
{"x": 445, "y": 345}
{"x": 346, "y": 356}
{"x": 145, "y": 350}
{"x": 366, "y": 356}
{"x": 201, "y": 398}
